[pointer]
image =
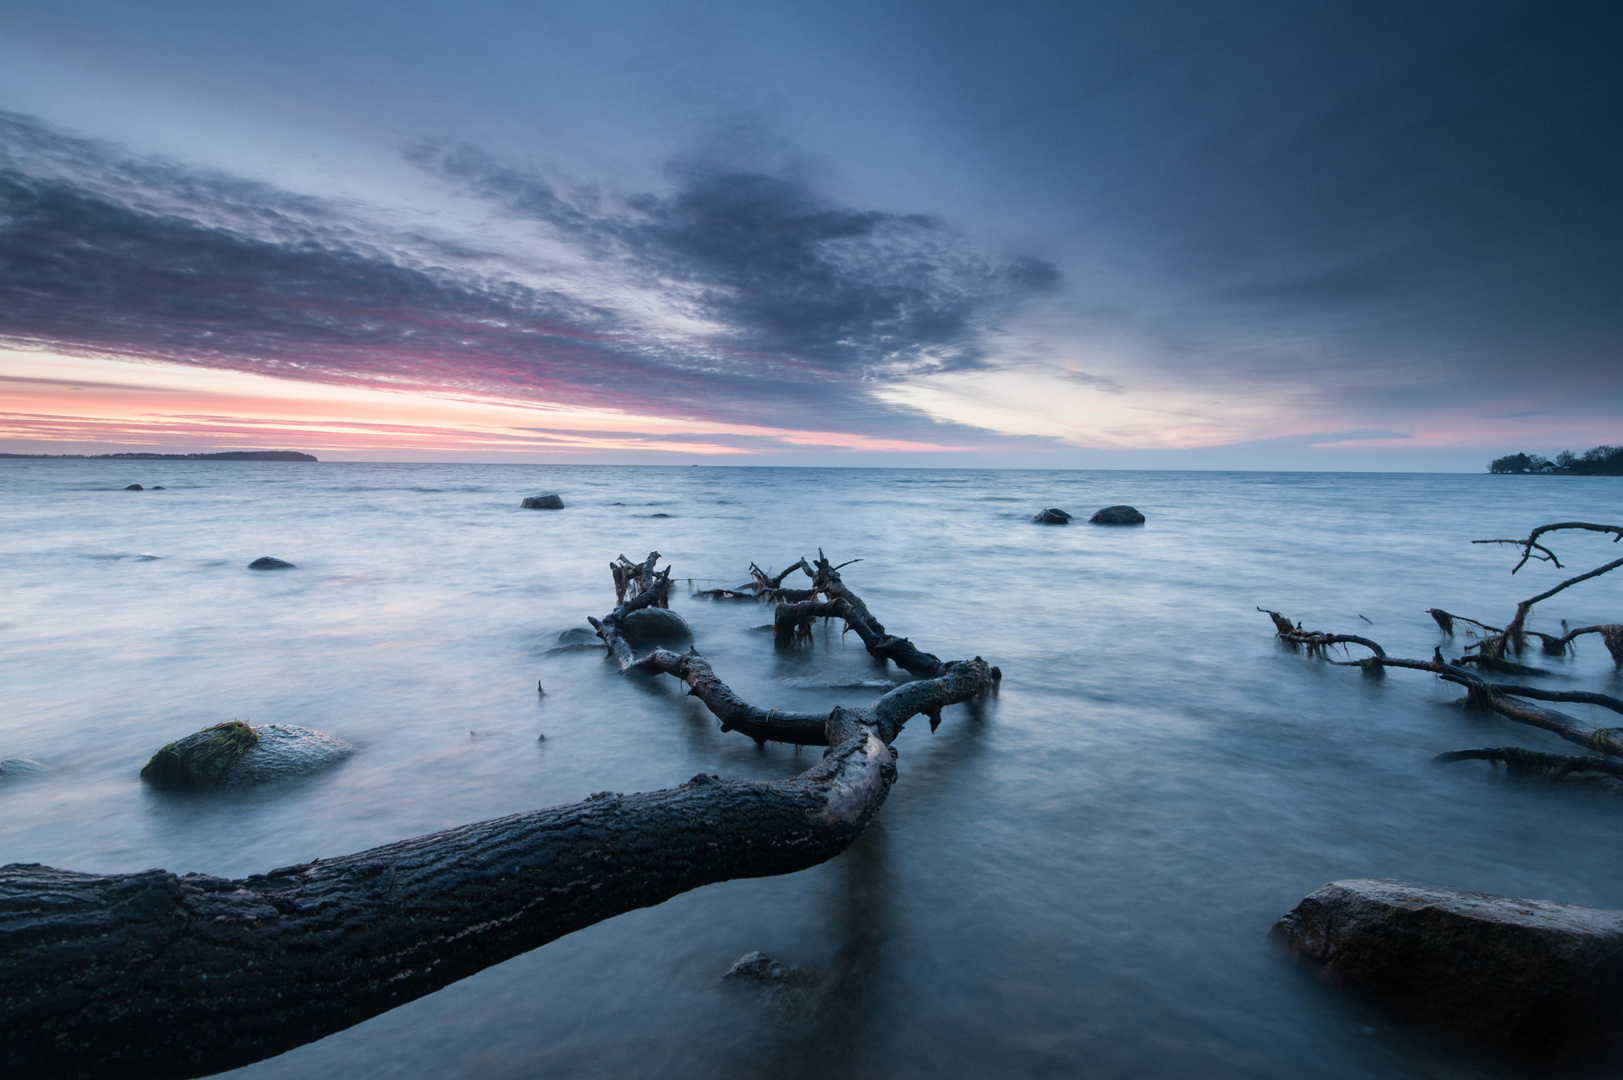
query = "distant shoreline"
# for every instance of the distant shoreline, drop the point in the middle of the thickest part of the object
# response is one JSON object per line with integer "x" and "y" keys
{"x": 228, "y": 455}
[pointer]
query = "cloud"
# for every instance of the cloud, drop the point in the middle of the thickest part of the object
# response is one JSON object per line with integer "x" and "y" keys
{"x": 784, "y": 270}
{"x": 1097, "y": 382}
{"x": 735, "y": 295}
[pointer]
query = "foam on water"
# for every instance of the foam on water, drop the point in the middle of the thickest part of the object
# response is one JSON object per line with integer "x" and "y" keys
{"x": 1075, "y": 878}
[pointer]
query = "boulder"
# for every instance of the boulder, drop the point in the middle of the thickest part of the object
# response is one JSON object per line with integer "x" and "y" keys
{"x": 655, "y": 626}
{"x": 579, "y": 635}
{"x": 1051, "y": 516}
{"x": 158, "y": 487}
{"x": 135, "y": 487}
{"x": 1117, "y": 515}
{"x": 1531, "y": 973}
{"x": 265, "y": 562}
{"x": 233, "y": 753}
{"x": 542, "y": 502}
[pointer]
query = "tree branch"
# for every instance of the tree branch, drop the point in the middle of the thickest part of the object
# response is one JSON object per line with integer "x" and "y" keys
{"x": 163, "y": 976}
{"x": 1535, "y": 762}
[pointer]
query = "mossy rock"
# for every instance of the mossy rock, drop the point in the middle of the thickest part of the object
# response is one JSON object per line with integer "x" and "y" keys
{"x": 234, "y": 753}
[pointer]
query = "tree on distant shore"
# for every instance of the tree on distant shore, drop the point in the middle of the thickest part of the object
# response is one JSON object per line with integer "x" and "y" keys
{"x": 1596, "y": 461}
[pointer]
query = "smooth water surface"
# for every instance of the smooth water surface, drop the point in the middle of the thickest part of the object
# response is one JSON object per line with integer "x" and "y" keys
{"x": 1074, "y": 879}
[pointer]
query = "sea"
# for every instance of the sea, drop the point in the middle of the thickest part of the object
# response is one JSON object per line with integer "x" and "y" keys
{"x": 1074, "y": 878}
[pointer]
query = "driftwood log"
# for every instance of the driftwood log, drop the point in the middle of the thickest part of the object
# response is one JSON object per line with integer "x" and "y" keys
{"x": 156, "y": 974}
{"x": 1513, "y": 701}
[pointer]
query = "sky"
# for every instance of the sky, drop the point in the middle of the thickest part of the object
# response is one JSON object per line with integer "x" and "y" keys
{"x": 1074, "y": 235}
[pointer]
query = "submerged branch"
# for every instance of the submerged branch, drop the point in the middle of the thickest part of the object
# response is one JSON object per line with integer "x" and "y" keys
{"x": 1535, "y": 762}
{"x": 1481, "y": 693}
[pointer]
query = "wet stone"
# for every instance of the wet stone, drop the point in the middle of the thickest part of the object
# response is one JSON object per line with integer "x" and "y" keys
{"x": 548, "y": 501}
{"x": 1117, "y": 515}
{"x": 655, "y": 626}
{"x": 1052, "y": 516}
{"x": 233, "y": 753}
{"x": 266, "y": 562}
{"x": 1508, "y": 971}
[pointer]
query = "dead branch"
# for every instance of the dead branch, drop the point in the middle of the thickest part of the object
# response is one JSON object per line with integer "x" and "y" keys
{"x": 1521, "y": 762}
{"x": 1531, "y": 543}
{"x": 1481, "y": 693}
{"x": 792, "y": 623}
{"x": 1514, "y": 636}
{"x": 1610, "y": 633}
{"x": 632, "y": 579}
{"x": 1446, "y": 620}
{"x": 158, "y": 975}
{"x": 768, "y": 584}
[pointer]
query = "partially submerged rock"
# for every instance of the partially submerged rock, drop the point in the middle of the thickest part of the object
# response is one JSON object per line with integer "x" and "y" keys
{"x": 266, "y": 562}
{"x": 234, "y": 753}
{"x": 135, "y": 487}
{"x": 1052, "y": 516}
{"x": 548, "y": 501}
{"x": 655, "y": 626}
{"x": 13, "y": 768}
{"x": 758, "y": 967}
{"x": 1117, "y": 515}
{"x": 1532, "y": 973}
{"x": 579, "y": 635}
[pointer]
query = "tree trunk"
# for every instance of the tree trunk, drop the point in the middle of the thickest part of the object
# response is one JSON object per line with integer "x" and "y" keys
{"x": 159, "y": 975}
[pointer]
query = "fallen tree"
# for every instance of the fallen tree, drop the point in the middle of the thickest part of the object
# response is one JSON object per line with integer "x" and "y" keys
{"x": 156, "y": 974}
{"x": 1491, "y": 652}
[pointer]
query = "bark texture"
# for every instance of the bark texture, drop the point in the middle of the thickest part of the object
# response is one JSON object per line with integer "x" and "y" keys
{"x": 162, "y": 975}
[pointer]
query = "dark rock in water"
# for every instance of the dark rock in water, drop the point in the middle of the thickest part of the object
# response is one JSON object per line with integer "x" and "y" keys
{"x": 15, "y": 768}
{"x": 157, "y": 487}
{"x": 265, "y": 562}
{"x": 659, "y": 515}
{"x": 541, "y": 502}
{"x": 579, "y": 635}
{"x": 1052, "y": 516}
{"x": 655, "y": 626}
{"x": 143, "y": 557}
{"x": 1117, "y": 515}
{"x": 758, "y": 967}
{"x": 233, "y": 754}
{"x": 135, "y": 487}
{"x": 1532, "y": 973}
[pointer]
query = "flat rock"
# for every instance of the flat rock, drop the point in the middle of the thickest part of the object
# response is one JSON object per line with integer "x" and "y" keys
{"x": 1052, "y": 516}
{"x": 1117, "y": 515}
{"x": 655, "y": 626}
{"x": 542, "y": 502}
{"x": 265, "y": 562}
{"x": 1532, "y": 973}
{"x": 234, "y": 753}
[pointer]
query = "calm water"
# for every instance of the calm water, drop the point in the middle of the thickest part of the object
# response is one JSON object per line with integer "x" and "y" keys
{"x": 1076, "y": 879}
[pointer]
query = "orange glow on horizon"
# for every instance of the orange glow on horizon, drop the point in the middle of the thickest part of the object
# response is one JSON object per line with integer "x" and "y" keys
{"x": 50, "y": 398}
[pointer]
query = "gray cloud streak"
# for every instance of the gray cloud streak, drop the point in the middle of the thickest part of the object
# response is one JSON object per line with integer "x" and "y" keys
{"x": 815, "y": 302}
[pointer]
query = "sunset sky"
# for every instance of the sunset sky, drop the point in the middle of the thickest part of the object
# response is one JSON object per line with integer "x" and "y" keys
{"x": 1208, "y": 235}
